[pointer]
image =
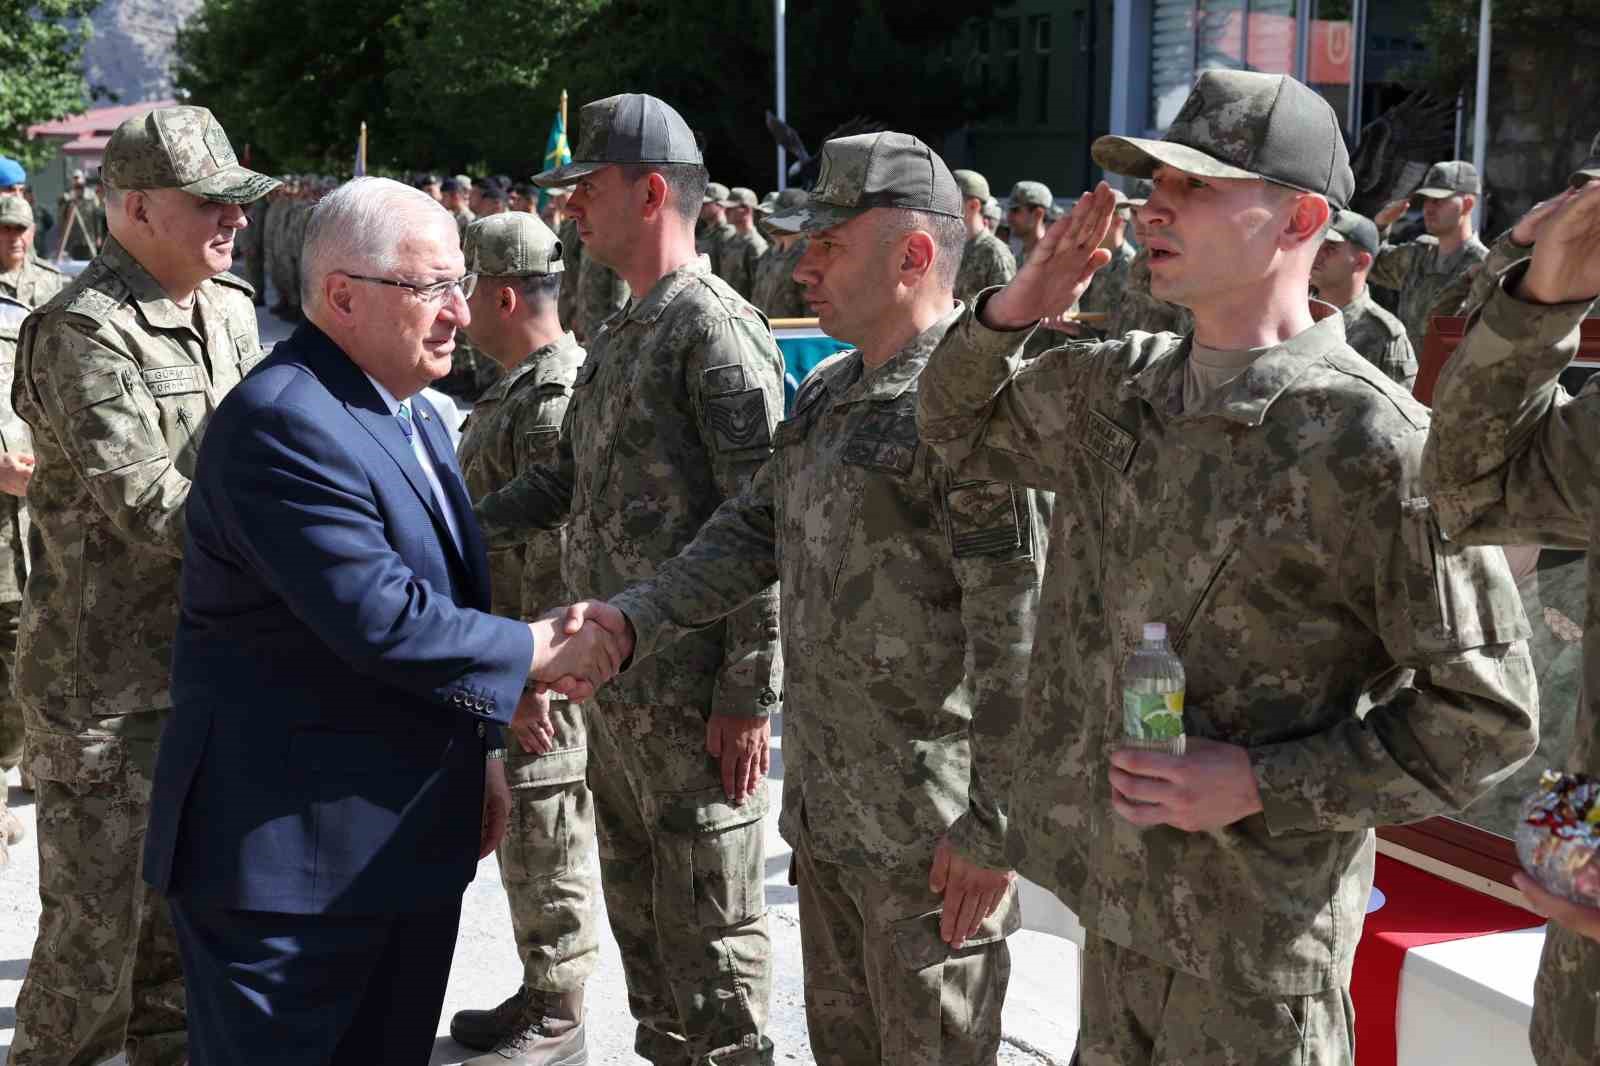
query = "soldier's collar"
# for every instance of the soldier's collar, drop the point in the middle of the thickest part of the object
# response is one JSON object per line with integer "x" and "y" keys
{"x": 893, "y": 378}
{"x": 649, "y": 308}
{"x": 531, "y": 362}
{"x": 1252, "y": 393}
{"x": 154, "y": 304}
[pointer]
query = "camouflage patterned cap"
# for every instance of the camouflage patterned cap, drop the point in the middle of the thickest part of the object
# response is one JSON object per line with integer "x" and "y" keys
{"x": 1445, "y": 180}
{"x": 630, "y": 128}
{"x": 15, "y": 211}
{"x": 1032, "y": 194}
{"x": 872, "y": 170}
{"x": 782, "y": 200}
{"x": 716, "y": 192}
{"x": 515, "y": 244}
{"x": 181, "y": 148}
{"x": 971, "y": 184}
{"x": 739, "y": 196}
{"x": 1242, "y": 124}
{"x": 1357, "y": 229}
{"x": 991, "y": 209}
{"x": 1589, "y": 169}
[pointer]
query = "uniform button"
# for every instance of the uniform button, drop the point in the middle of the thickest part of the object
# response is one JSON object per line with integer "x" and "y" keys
{"x": 481, "y": 730}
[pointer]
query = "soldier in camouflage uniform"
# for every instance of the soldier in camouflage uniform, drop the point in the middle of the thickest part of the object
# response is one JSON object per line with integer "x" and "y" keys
{"x": 253, "y": 250}
{"x": 1422, "y": 271}
{"x": 116, "y": 376}
{"x": 1104, "y": 293}
{"x": 1340, "y": 276}
{"x": 287, "y": 237}
{"x": 985, "y": 260}
{"x": 744, "y": 247}
{"x": 601, "y": 293}
{"x": 1139, "y": 309}
{"x": 671, "y": 415}
{"x": 83, "y": 216}
{"x": 1027, "y": 214}
{"x": 571, "y": 265}
{"x": 1511, "y": 460}
{"x": 545, "y": 853}
{"x": 713, "y": 228}
{"x": 454, "y": 192}
{"x": 1257, "y": 487}
{"x": 908, "y": 601}
{"x": 776, "y": 293}
{"x": 26, "y": 282}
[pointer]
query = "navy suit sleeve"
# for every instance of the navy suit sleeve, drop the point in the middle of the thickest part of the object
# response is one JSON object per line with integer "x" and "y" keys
{"x": 300, "y": 511}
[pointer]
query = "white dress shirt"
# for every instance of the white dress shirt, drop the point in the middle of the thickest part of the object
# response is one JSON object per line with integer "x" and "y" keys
{"x": 420, "y": 450}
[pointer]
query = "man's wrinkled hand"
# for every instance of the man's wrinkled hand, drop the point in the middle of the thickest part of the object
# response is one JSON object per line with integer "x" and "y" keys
{"x": 1209, "y": 786}
{"x": 1585, "y": 921}
{"x": 16, "y": 470}
{"x": 531, "y": 724}
{"x": 1060, "y": 266}
{"x": 576, "y": 658}
{"x": 1566, "y": 254}
{"x": 744, "y": 747}
{"x": 971, "y": 892}
{"x": 496, "y": 806}
{"x": 1530, "y": 225}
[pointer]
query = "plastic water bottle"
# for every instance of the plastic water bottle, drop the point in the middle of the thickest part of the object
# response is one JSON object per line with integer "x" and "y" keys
{"x": 1152, "y": 695}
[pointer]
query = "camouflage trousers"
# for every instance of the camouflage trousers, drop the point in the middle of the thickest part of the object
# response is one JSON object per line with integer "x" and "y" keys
{"x": 1566, "y": 1001}
{"x": 10, "y": 709}
{"x": 881, "y": 986}
{"x": 682, "y": 871}
{"x": 105, "y": 974}
{"x": 544, "y": 858}
{"x": 1137, "y": 1012}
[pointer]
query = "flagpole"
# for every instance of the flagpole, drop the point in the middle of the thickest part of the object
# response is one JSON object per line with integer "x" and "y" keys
{"x": 362, "y": 149}
{"x": 782, "y": 110}
{"x": 564, "y": 116}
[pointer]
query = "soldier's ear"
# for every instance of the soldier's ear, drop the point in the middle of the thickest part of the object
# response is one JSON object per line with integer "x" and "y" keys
{"x": 1307, "y": 220}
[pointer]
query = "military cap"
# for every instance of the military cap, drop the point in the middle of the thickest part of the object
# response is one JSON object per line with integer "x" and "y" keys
{"x": 15, "y": 211}
{"x": 991, "y": 209}
{"x": 767, "y": 202}
{"x": 1032, "y": 194}
{"x": 630, "y": 128}
{"x": 426, "y": 180}
{"x": 1243, "y": 124}
{"x": 1588, "y": 171}
{"x": 971, "y": 184}
{"x": 1445, "y": 180}
{"x": 183, "y": 148}
{"x": 1357, "y": 229}
{"x": 451, "y": 185}
{"x": 786, "y": 200}
{"x": 716, "y": 192}
{"x": 512, "y": 245}
{"x": 740, "y": 197}
{"x": 491, "y": 190}
{"x": 465, "y": 180}
{"x": 11, "y": 173}
{"x": 872, "y": 170}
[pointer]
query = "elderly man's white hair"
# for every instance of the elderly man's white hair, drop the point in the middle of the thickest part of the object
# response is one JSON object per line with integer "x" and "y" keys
{"x": 358, "y": 227}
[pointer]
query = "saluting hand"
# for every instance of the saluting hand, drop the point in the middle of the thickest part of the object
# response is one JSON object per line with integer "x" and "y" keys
{"x": 1529, "y": 226}
{"x": 1566, "y": 254}
{"x": 1060, "y": 266}
{"x": 1392, "y": 212}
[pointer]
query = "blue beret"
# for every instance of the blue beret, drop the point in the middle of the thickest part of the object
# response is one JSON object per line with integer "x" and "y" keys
{"x": 11, "y": 173}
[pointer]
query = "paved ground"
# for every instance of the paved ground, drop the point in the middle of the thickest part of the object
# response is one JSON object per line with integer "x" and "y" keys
{"x": 1040, "y": 1012}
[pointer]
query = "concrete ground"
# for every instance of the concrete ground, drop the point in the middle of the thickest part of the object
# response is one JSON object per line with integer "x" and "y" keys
{"x": 1040, "y": 1021}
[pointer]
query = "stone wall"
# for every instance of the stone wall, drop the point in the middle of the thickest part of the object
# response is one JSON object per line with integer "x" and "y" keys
{"x": 132, "y": 50}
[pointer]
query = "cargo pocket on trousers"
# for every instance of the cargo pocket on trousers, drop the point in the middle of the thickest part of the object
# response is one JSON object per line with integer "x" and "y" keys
{"x": 726, "y": 852}
{"x": 918, "y": 945}
{"x": 80, "y": 762}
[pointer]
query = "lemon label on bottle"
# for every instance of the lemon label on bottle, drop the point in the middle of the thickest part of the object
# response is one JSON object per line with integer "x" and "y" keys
{"x": 1152, "y": 715}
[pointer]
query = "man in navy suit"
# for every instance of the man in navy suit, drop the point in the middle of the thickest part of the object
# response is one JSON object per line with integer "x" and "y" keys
{"x": 329, "y": 776}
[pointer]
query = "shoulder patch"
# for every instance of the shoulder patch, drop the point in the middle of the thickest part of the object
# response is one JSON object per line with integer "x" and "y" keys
{"x": 738, "y": 421}
{"x": 97, "y": 304}
{"x": 726, "y": 379}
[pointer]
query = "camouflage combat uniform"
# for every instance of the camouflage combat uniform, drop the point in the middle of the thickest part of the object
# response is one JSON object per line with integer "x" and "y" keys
{"x": 709, "y": 241}
{"x": 544, "y": 858}
{"x": 464, "y": 218}
{"x": 908, "y": 605}
{"x": 671, "y": 414}
{"x": 985, "y": 261}
{"x": 1479, "y": 283}
{"x": 1139, "y": 310}
{"x": 287, "y": 234}
{"x": 116, "y": 382}
{"x": 30, "y": 285}
{"x": 737, "y": 263}
{"x": 1380, "y": 338}
{"x": 1422, "y": 279}
{"x": 776, "y": 294}
{"x": 1511, "y": 461}
{"x": 252, "y": 247}
{"x": 88, "y": 223}
{"x": 1105, "y": 290}
{"x": 1281, "y": 532}
{"x": 601, "y": 294}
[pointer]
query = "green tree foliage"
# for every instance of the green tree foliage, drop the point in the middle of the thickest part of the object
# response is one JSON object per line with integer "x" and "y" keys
{"x": 41, "y": 69}
{"x": 1568, "y": 29}
{"x": 444, "y": 84}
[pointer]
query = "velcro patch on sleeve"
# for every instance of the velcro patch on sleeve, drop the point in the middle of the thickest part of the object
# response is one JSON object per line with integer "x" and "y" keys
{"x": 725, "y": 380}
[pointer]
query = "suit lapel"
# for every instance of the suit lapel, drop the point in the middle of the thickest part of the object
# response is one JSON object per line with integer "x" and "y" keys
{"x": 385, "y": 429}
{"x": 444, "y": 464}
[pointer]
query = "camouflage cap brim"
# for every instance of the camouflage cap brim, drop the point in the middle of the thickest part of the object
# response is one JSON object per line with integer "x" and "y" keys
{"x": 1138, "y": 157}
{"x": 1436, "y": 194}
{"x": 1590, "y": 171}
{"x": 1335, "y": 236}
{"x": 232, "y": 185}
{"x": 812, "y": 217}
{"x": 567, "y": 175}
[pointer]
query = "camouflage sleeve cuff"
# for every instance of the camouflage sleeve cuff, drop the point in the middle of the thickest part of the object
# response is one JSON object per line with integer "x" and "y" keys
{"x": 647, "y": 621}
{"x": 1526, "y": 324}
{"x": 1286, "y": 786}
{"x": 980, "y": 840}
{"x": 966, "y": 371}
{"x": 742, "y": 699}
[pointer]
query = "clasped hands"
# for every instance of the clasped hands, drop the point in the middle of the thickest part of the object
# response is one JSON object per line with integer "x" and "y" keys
{"x": 579, "y": 648}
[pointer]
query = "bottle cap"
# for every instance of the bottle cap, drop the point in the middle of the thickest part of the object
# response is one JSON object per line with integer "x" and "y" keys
{"x": 1155, "y": 631}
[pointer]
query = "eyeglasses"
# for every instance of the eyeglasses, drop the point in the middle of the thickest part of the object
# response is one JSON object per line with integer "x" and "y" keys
{"x": 430, "y": 294}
